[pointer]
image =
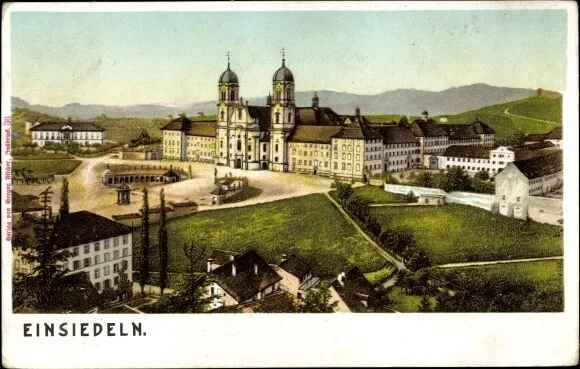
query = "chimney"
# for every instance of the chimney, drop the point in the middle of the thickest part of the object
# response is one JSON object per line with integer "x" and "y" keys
{"x": 357, "y": 111}
{"x": 284, "y": 257}
{"x": 233, "y": 269}
{"x": 315, "y": 100}
{"x": 209, "y": 265}
{"x": 425, "y": 115}
{"x": 340, "y": 278}
{"x": 255, "y": 269}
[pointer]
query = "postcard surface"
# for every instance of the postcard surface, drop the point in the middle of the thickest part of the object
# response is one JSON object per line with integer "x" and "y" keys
{"x": 289, "y": 184}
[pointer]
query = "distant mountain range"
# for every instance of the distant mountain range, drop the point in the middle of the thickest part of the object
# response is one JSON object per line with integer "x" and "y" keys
{"x": 402, "y": 101}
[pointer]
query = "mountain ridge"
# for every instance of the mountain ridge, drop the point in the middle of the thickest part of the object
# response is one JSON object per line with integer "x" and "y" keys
{"x": 453, "y": 100}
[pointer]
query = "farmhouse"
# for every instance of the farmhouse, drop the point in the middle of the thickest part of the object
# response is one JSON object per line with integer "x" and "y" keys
{"x": 296, "y": 275}
{"x": 246, "y": 278}
{"x": 522, "y": 179}
{"x": 354, "y": 293}
{"x": 83, "y": 133}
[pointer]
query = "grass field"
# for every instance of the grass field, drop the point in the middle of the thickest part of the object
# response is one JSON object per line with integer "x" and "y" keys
{"x": 41, "y": 167}
{"x": 43, "y": 156}
{"x": 248, "y": 193}
{"x": 309, "y": 226}
{"x": 375, "y": 195}
{"x": 504, "y": 125}
{"x": 405, "y": 303}
{"x": 459, "y": 233}
{"x": 543, "y": 281}
{"x": 379, "y": 275}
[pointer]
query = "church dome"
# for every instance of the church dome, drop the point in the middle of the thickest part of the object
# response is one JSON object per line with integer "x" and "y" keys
{"x": 228, "y": 76}
{"x": 283, "y": 74}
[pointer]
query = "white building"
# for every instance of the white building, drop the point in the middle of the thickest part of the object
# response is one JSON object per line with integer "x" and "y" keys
{"x": 98, "y": 246}
{"x": 354, "y": 293}
{"x": 524, "y": 178}
{"x": 83, "y": 133}
{"x": 475, "y": 158}
{"x": 297, "y": 277}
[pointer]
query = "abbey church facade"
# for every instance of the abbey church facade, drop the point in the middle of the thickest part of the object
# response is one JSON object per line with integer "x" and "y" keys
{"x": 283, "y": 137}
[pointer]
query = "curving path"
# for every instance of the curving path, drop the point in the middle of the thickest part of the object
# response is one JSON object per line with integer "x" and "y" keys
{"x": 477, "y": 263}
{"x": 524, "y": 117}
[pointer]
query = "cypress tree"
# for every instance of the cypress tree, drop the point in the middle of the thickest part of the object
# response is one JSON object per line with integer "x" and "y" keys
{"x": 144, "y": 257}
{"x": 163, "y": 252}
{"x": 64, "y": 208}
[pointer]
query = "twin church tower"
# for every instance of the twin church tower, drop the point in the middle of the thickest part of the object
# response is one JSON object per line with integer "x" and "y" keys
{"x": 255, "y": 137}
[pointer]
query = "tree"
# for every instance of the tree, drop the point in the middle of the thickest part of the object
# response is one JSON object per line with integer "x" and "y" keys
{"x": 404, "y": 121}
{"x": 482, "y": 175}
{"x": 344, "y": 191}
{"x": 373, "y": 225}
{"x": 163, "y": 251}
{"x": 64, "y": 207}
{"x": 144, "y": 257}
{"x": 416, "y": 258}
{"x": 316, "y": 301}
{"x": 424, "y": 179}
{"x": 458, "y": 180}
{"x": 425, "y": 305}
{"x": 49, "y": 267}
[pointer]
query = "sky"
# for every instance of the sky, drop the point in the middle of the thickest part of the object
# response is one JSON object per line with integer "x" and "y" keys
{"x": 177, "y": 57}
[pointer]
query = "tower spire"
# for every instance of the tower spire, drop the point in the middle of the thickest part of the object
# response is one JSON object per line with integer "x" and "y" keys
{"x": 228, "y": 55}
{"x": 283, "y": 58}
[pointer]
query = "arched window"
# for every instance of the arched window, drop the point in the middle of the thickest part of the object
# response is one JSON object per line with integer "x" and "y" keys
{"x": 277, "y": 117}
{"x": 240, "y": 113}
{"x": 278, "y": 95}
{"x": 222, "y": 115}
{"x": 288, "y": 94}
{"x": 232, "y": 95}
{"x": 221, "y": 144}
{"x": 223, "y": 95}
{"x": 239, "y": 144}
{"x": 276, "y": 147}
{"x": 289, "y": 117}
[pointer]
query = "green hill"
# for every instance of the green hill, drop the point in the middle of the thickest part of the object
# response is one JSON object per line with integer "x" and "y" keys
{"x": 520, "y": 117}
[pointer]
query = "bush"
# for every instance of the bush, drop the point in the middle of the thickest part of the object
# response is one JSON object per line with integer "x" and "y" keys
{"x": 482, "y": 175}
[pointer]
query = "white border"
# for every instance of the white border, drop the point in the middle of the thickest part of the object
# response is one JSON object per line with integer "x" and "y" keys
{"x": 314, "y": 340}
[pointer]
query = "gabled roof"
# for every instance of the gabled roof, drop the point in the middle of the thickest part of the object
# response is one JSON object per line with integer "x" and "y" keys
{"x": 481, "y": 128}
{"x": 314, "y": 134}
{"x": 421, "y": 128}
{"x": 317, "y": 117}
{"x": 84, "y": 227}
{"x": 540, "y": 166}
{"x": 460, "y": 131}
{"x": 262, "y": 115}
{"x": 221, "y": 257}
{"x": 245, "y": 283}
{"x": 202, "y": 128}
{"x": 277, "y": 302}
{"x": 357, "y": 129}
{"x": 296, "y": 266}
{"x": 356, "y": 289}
{"x": 178, "y": 124}
{"x": 396, "y": 134}
{"x": 75, "y": 127}
{"x": 461, "y": 151}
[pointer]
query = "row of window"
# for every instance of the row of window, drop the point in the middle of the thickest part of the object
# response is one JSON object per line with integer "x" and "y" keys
{"x": 106, "y": 283}
{"x": 472, "y": 168}
{"x": 124, "y": 265}
{"x": 468, "y": 160}
{"x": 345, "y": 166}
{"x": 201, "y": 153}
{"x": 371, "y": 157}
{"x": 312, "y": 153}
{"x": 97, "y": 259}
{"x": 97, "y": 245}
{"x": 58, "y": 135}
{"x": 309, "y": 162}
{"x": 404, "y": 152}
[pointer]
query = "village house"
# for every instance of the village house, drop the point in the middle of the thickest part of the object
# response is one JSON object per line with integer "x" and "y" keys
{"x": 23, "y": 205}
{"x": 354, "y": 293}
{"x": 83, "y": 133}
{"x": 246, "y": 278}
{"x": 522, "y": 179}
{"x": 296, "y": 273}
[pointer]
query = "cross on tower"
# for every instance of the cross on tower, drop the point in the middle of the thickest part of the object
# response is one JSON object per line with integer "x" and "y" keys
{"x": 228, "y": 55}
{"x": 283, "y": 55}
